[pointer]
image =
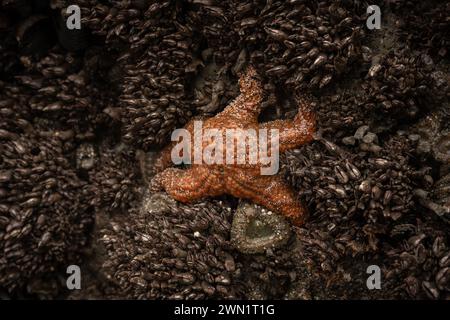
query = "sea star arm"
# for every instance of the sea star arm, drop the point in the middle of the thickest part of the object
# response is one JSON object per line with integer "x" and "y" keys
{"x": 293, "y": 133}
{"x": 248, "y": 103}
{"x": 164, "y": 159}
{"x": 188, "y": 185}
{"x": 270, "y": 192}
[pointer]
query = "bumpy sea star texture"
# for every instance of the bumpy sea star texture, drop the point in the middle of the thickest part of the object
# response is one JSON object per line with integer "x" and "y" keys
{"x": 242, "y": 180}
{"x": 77, "y": 106}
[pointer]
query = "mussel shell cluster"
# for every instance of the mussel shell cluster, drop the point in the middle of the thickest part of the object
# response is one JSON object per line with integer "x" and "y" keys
{"x": 297, "y": 44}
{"x": 45, "y": 217}
{"x": 170, "y": 250}
{"x": 403, "y": 84}
{"x": 81, "y": 110}
{"x": 424, "y": 25}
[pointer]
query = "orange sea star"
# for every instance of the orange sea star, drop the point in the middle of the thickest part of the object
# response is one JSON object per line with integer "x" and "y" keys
{"x": 241, "y": 180}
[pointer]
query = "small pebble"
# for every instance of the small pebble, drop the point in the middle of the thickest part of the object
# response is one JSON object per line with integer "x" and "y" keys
{"x": 370, "y": 138}
{"x": 414, "y": 137}
{"x": 349, "y": 141}
{"x": 360, "y": 132}
{"x": 375, "y": 149}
